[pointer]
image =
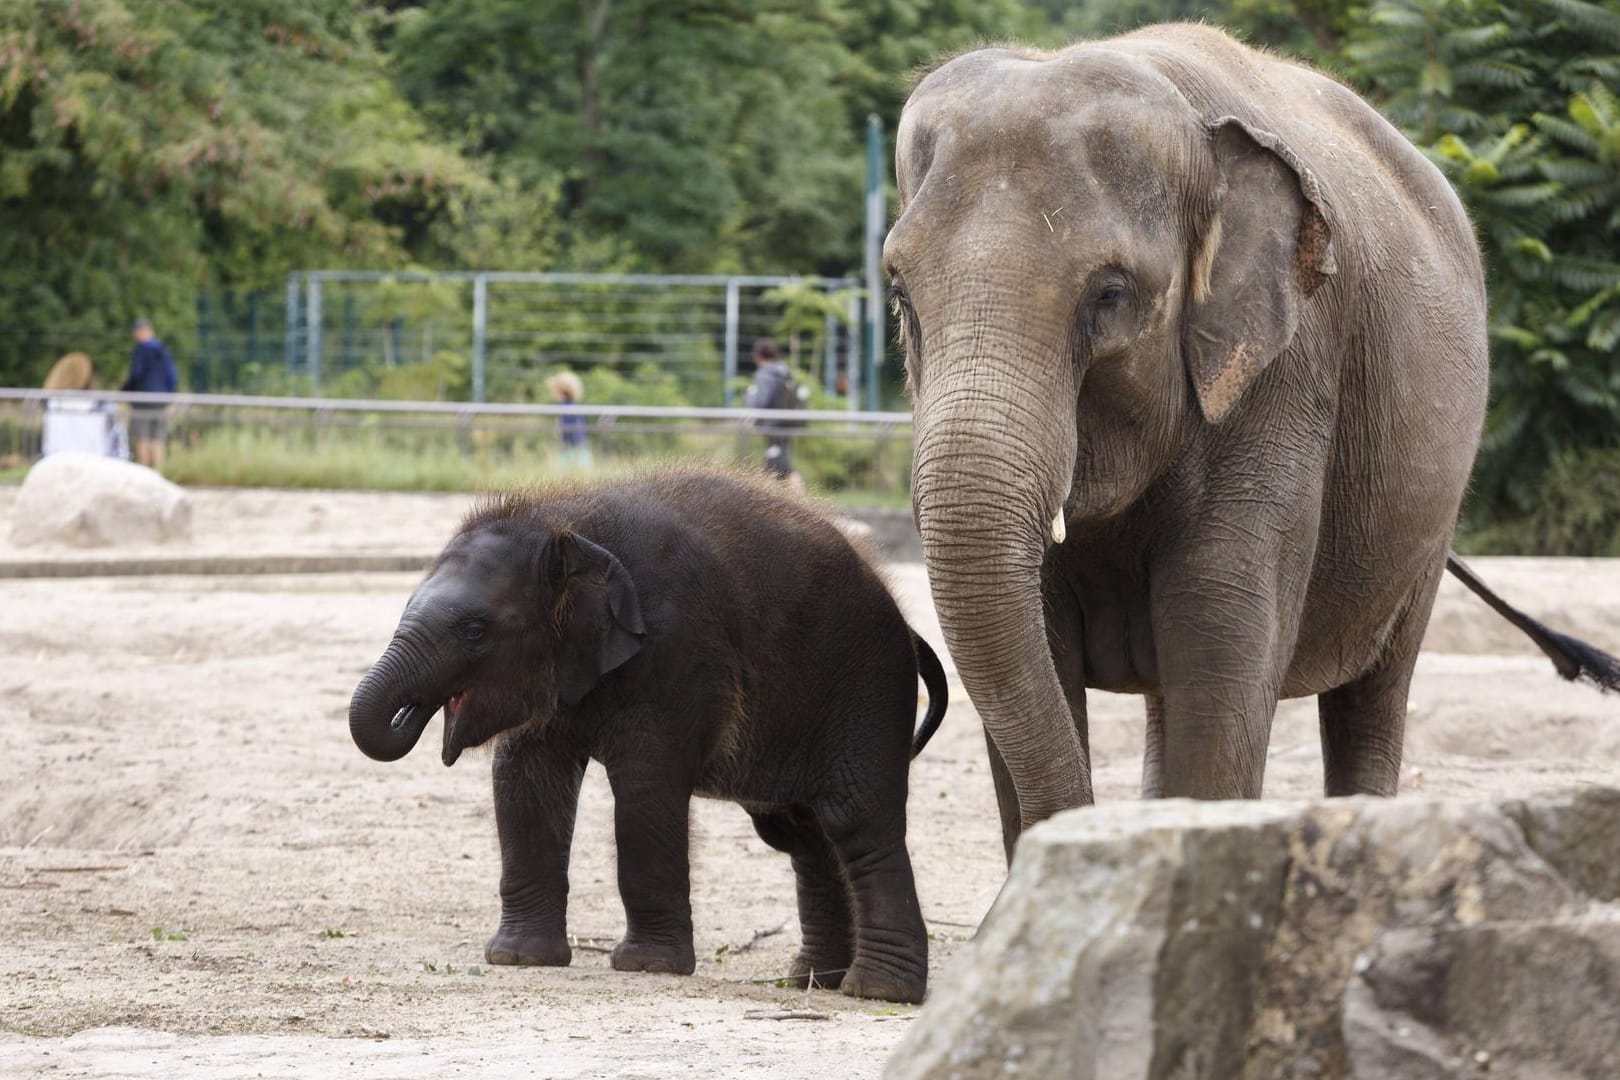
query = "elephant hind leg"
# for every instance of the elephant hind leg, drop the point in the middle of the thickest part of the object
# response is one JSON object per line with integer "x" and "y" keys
{"x": 891, "y": 942}
{"x": 826, "y": 927}
{"x": 1364, "y": 721}
{"x": 1363, "y": 726}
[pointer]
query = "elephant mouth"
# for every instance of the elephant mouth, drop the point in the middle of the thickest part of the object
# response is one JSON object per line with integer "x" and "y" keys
{"x": 452, "y": 721}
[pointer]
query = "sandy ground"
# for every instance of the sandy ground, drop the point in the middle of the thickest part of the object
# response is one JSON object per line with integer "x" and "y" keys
{"x": 201, "y": 877}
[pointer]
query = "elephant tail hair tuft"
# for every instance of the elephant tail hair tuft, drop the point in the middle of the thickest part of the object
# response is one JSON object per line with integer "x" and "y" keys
{"x": 1574, "y": 659}
{"x": 933, "y": 677}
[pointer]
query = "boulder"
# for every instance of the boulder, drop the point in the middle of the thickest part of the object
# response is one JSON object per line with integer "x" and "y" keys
{"x": 1355, "y": 938}
{"x": 88, "y": 501}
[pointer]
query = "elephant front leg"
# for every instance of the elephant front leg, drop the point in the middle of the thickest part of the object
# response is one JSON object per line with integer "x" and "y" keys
{"x": 650, "y": 826}
{"x": 1153, "y": 749}
{"x": 1219, "y": 679}
{"x": 825, "y": 921}
{"x": 536, "y": 795}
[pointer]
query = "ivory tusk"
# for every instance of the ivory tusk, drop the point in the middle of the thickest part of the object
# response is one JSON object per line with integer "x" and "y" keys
{"x": 1060, "y": 529}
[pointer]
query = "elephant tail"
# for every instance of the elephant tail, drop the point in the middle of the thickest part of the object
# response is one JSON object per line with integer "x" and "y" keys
{"x": 1574, "y": 659}
{"x": 933, "y": 677}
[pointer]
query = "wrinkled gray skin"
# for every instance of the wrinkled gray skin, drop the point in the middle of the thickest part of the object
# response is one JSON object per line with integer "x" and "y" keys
{"x": 1215, "y": 312}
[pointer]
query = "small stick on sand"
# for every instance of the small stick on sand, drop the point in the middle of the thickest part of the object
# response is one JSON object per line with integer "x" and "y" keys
{"x": 759, "y": 935}
{"x": 589, "y": 944}
{"x": 785, "y": 1014}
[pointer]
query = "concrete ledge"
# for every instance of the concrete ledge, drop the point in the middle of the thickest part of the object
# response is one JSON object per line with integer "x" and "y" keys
{"x": 892, "y": 533}
{"x": 212, "y": 565}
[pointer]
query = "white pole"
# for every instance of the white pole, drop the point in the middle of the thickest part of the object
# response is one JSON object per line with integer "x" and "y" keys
{"x": 733, "y": 315}
{"x": 480, "y": 315}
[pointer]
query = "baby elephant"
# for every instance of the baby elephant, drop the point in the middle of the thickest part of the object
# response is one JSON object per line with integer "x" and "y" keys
{"x": 696, "y": 633}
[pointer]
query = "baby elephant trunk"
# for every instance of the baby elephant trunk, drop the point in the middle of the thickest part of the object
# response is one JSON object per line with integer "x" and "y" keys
{"x": 388, "y": 710}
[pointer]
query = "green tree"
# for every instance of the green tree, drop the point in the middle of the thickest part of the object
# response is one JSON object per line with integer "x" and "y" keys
{"x": 150, "y": 149}
{"x": 698, "y": 135}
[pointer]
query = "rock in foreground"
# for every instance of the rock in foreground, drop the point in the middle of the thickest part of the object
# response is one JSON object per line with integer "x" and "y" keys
{"x": 1356, "y": 938}
{"x": 87, "y": 501}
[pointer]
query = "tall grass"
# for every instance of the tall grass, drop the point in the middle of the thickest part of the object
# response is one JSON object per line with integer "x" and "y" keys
{"x": 435, "y": 459}
{"x": 362, "y": 460}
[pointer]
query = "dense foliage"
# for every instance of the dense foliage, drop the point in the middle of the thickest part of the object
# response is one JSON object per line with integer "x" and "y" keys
{"x": 153, "y": 153}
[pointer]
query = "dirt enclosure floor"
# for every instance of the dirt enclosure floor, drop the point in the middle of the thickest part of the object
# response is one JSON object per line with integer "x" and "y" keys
{"x": 200, "y": 876}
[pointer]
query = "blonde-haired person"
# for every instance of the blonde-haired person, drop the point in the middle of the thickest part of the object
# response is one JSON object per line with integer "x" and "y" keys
{"x": 568, "y": 389}
{"x": 78, "y": 425}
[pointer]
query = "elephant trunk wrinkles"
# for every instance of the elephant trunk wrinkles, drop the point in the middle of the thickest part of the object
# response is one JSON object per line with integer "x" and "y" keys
{"x": 990, "y": 473}
{"x": 401, "y": 683}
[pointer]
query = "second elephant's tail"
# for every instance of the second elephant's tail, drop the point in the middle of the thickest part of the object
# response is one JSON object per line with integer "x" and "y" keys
{"x": 1574, "y": 659}
{"x": 933, "y": 677}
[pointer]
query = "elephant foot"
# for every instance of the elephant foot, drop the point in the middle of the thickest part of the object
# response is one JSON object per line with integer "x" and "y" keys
{"x": 868, "y": 981}
{"x": 520, "y": 949}
{"x": 661, "y": 958}
{"x": 822, "y": 971}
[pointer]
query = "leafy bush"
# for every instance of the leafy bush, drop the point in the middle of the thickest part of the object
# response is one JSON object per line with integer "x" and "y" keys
{"x": 1516, "y": 105}
{"x": 1576, "y": 511}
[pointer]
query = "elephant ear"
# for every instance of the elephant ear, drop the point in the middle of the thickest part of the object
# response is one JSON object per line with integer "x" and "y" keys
{"x": 597, "y": 613}
{"x": 1263, "y": 250}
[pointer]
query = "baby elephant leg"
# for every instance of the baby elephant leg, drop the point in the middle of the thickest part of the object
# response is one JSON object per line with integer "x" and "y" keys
{"x": 824, "y": 915}
{"x": 650, "y": 827}
{"x": 536, "y": 794}
{"x": 891, "y": 942}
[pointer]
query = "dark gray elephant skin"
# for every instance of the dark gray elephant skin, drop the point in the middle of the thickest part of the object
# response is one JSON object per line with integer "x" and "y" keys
{"x": 695, "y": 633}
{"x": 1196, "y": 343}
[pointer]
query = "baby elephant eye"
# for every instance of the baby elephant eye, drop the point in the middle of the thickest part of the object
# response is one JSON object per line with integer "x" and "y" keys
{"x": 473, "y": 629}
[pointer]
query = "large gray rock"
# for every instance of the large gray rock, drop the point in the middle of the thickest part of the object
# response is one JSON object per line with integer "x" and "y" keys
{"x": 87, "y": 501}
{"x": 1353, "y": 938}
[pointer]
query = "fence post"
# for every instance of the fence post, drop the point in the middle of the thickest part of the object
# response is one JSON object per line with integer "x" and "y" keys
{"x": 829, "y": 355}
{"x": 312, "y": 329}
{"x": 733, "y": 314}
{"x": 291, "y": 341}
{"x": 480, "y": 316}
{"x": 852, "y": 363}
{"x": 346, "y": 353}
{"x": 875, "y": 214}
{"x": 199, "y": 362}
{"x": 254, "y": 299}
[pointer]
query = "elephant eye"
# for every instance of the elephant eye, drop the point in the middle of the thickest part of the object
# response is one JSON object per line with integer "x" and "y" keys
{"x": 898, "y": 300}
{"x": 1110, "y": 296}
{"x": 473, "y": 629}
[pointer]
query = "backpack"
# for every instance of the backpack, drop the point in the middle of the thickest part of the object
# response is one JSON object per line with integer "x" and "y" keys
{"x": 774, "y": 387}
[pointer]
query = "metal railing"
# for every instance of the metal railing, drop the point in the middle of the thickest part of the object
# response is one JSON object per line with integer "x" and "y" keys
{"x": 248, "y": 440}
{"x": 880, "y": 424}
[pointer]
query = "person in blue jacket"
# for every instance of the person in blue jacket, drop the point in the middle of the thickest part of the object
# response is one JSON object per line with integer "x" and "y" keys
{"x": 151, "y": 370}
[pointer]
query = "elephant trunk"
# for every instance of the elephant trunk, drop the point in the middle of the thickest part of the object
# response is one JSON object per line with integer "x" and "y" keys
{"x": 993, "y": 465}
{"x": 394, "y": 701}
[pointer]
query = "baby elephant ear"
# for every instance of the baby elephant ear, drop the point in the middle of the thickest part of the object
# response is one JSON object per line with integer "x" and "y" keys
{"x": 1264, "y": 249}
{"x": 598, "y": 614}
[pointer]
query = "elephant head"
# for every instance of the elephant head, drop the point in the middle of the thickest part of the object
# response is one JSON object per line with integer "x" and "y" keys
{"x": 1089, "y": 273}
{"x": 504, "y": 628}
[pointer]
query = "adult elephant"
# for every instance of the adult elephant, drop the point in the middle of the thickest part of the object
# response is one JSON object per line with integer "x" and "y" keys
{"x": 1196, "y": 343}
